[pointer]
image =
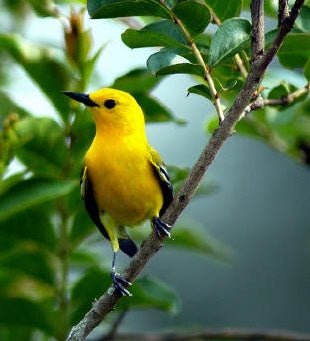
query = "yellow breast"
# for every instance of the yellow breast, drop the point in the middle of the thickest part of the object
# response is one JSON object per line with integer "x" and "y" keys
{"x": 123, "y": 180}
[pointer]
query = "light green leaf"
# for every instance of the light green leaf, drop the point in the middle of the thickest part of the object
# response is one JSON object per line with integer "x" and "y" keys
{"x": 32, "y": 192}
{"x": 126, "y": 8}
{"x": 8, "y": 106}
{"x": 38, "y": 134}
{"x": 42, "y": 66}
{"x": 159, "y": 33}
{"x": 291, "y": 55}
{"x": 193, "y": 238}
{"x": 225, "y": 9}
{"x": 229, "y": 39}
{"x": 165, "y": 63}
{"x": 195, "y": 16}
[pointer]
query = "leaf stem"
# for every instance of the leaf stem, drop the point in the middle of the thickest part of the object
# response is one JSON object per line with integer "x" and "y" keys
{"x": 207, "y": 75}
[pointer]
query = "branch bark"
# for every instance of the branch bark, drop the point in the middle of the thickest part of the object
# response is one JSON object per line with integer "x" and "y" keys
{"x": 260, "y": 61}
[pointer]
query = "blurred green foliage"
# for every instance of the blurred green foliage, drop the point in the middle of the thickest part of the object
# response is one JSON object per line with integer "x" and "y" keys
{"x": 44, "y": 228}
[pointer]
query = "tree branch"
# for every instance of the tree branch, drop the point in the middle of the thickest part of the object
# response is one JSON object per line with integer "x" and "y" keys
{"x": 261, "y": 102}
{"x": 106, "y": 303}
{"x": 222, "y": 334}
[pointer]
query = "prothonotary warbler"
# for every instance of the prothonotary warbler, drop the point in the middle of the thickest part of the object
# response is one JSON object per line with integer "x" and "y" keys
{"x": 123, "y": 181}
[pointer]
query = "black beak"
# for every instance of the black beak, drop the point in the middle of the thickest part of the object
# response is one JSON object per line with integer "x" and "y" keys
{"x": 83, "y": 98}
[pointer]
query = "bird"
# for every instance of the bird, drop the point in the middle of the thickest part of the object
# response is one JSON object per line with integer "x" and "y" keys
{"x": 123, "y": 181}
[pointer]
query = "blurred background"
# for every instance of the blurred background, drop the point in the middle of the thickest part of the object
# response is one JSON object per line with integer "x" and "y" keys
{"x": 258, "y": 210}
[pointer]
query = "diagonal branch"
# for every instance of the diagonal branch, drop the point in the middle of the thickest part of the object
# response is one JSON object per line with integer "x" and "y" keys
{"x": 106, "y": 303}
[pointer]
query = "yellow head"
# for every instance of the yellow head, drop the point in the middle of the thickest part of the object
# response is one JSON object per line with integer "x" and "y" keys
{"x": 112, "y": 109}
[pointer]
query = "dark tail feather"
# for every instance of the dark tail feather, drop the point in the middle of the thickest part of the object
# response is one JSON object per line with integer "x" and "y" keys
{"x": 128, "y": 246}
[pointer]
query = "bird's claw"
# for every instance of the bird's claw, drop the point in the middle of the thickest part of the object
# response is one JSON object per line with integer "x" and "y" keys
{"x": 161, "y": 228}
{"x": 119, "y": 283}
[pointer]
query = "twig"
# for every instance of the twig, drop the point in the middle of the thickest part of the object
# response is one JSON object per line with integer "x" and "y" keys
{"x": 150, "y": 246}
{"x": 222, "y": 334}
{"x": 207, "y": 75}
{"x": 261, "y": 102}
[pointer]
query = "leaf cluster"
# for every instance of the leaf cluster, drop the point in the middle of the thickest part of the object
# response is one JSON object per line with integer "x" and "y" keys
{"x": 211, "y": 42}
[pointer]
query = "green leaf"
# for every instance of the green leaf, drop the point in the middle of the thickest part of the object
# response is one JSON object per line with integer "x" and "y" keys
{"x": 21, "y": 312}
{"x": 89, "y": 287}
{"x": 194, "y": 15}
{"x": 224, "y": 9}
{"x": 8, "y": 106}
{"x": 31, "y": 225}
{"x": 193, "y": 238}
{"x": 149, "y": 293}
{"x": 42, "y": 66}
{"x": 159, "y": 33}
{"x": 291, "y": 55}
{"x": 37, "y": 135}
{"x": 82, "y": 227}
{"x": 307, "y": 70}
{"x": 135, "y": 81}
{"x": 165, "y": 63}
{"x": 202, "y": 90}
{"x": 155, "y": 111}
{"x": 126, "y": 8}
{"x": 302, "y": 21}
{"x": 33, "y": 263}
{"x": 229, "y": 39}
{"x": 32, "y": 192}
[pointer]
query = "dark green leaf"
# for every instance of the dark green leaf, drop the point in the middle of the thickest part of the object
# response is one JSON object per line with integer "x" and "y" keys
{"x": 30, "y": 262}
{"x": 165, "y": 62}
{"x": 196, "y": 239}
{"x": 229, "y": 39}
{"x": 23, "y": 312}
{"x": 36, "y": 228}
{"x": 151, "y": 293}
{"x": 82, "y": 227}
{"x": 224, "y": 9}
{"x": 159, "y": 33}
{"x": 155, "y": 111}
{"x": 126, "y": 8}
{"x": 37, "y": 135}
{"x": 291, "y": 55}
{"x": 89, "y": 287}
{"x": 42, "y": 66}
{"x": 136, "y": 81}
{"x": 194, "y": 15}
{"x": 302, "y": 21}
{"x": 307, "y": 70}
{"x": 201, "y": 90}
{"x": 32, "y": 192}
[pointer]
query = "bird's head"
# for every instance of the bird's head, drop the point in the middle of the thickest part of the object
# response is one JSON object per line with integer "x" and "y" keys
{"x": 111, "y": 108}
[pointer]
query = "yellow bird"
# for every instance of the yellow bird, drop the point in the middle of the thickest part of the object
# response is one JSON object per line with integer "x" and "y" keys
{"x": 123, "y": 181}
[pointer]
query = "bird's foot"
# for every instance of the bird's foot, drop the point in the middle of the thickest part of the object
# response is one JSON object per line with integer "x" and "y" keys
{"x": 120, "y": 283}
{"x": 161, "y": 228}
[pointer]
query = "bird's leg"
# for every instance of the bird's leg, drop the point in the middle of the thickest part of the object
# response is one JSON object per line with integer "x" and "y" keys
{"x": 161, "y": 228}
{"x": 119, "y": 282}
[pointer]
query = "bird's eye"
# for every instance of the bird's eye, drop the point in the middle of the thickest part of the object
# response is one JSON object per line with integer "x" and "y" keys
{"x": 110, "y": 103}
